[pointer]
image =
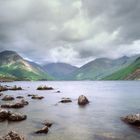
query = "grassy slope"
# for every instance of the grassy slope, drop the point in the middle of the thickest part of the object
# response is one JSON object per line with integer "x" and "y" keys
{"x": 125, "y": 72}
{"x": 18, "y": 72}
{"x": 100, "y": 68}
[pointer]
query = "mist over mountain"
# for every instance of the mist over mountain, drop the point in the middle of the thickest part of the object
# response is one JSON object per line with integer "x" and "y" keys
{"x": 59, "y": 70}
{"x": 14, "y": 67}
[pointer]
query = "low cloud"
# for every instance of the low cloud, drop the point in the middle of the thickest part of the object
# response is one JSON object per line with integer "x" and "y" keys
{"x": 73, "y": 31}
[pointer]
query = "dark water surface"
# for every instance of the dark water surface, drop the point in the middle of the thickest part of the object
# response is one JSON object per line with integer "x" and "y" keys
{"x": 100, "y": 120}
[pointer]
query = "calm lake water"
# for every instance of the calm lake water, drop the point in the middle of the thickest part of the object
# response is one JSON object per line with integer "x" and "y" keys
{"x": 100, "y": 120}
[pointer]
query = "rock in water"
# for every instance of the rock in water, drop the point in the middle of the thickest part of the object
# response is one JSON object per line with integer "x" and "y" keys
{"x": 82, "y": 100}
{"x": 15, "y": 105}
{"x": 12, "y": 136}
{"x": 16, "y": 117}
{"x": 24, "y": 102}
{"x": 133, "y": 119}
{"x": 10, "y": 116}
{"x": 19, "y": 97}
{"x": 65, "y": 100}
{"x": 48, "y": 123}
{"x": 4, "y": 114}
{"x": 8, "y": 98}
{"x": 43, "y": 130}
{"x": 20, "y": 104}
{"x": 37, "y": 97}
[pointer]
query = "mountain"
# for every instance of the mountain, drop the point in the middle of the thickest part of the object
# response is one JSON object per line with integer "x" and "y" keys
{"x": 130, "y": 72}
{"x": 14, "y": 67}
{"x": 101, "y": 67}
{"x": 59, "y": 70}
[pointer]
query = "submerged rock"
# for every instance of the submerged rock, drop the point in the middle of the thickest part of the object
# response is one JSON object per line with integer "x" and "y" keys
{"x": 65, "y": 100}
{"x": 133, "y": 119}
{"x": 82, "y": 100}
{"x": 16, "y": 117}
{"x": 8, "y": 98}
{"x": 15, "y": 88}
{"x": 30, "y": 95}
{"x": 12, "y": 136}
{"x": 108, "y": 136}
{"x": 19, "y": 97}
{"x": 37, "y": 97}
{"x": 43, "y": 130}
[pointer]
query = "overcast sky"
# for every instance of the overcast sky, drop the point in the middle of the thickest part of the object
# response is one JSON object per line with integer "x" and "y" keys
{"x": 72, "y": 31}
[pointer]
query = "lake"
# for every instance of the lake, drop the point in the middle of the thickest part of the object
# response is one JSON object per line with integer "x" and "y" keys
{"x": 99, "y": 120}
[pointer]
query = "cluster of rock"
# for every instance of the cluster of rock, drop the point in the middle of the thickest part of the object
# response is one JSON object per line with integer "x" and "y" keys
{"x": 33, "y": 96}
{"x": 5, "y": 88}
{"x": 65, "y": 100}
{"x": 82, "y": 100}
{"x": 11, "y": 116}
{"x": 12, "y": 136}
{"x": 44, "y": 88}
{"x": 8, "y": 98}
{"x": 20, "y": 104}
{"x": 45, "y": 128}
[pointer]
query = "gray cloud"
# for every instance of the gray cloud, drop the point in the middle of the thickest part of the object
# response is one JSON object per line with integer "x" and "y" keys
{"x": 73, "y": 31}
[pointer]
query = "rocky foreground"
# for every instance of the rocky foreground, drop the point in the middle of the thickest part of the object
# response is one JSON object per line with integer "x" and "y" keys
{"x": 13, "y": 136}
{"x": 10, "y": 116}
{"x": 6, "y": 115}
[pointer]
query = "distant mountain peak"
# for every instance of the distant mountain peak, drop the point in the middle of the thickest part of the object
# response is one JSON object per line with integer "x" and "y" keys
{"x": 8, "y": 52}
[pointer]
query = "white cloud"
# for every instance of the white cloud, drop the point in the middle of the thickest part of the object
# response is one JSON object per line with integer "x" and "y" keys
{"x": 73, "y": 31}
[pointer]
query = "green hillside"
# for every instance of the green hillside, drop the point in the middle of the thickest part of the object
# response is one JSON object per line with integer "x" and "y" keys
{"x": 14, "y": 67}
{"x": 100, "y": 68}
{"x": 130, "y": 72}
{"x": 18, "y": 72}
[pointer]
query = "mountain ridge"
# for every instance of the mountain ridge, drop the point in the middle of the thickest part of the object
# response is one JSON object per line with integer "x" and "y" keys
{"x": 14, "y": 67}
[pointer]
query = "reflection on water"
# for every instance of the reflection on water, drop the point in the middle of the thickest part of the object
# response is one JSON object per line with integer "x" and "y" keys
{"x": 100, "y": 120}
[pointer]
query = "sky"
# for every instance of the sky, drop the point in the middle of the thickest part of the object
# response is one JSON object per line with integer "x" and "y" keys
{"x": 71, "y": 31}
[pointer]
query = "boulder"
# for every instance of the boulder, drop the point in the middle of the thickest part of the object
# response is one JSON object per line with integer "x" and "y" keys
{"x": 4, "y": 114}
{"x": 20, "y": 104}
{"x": 8, "y": 98}
{"x": 43, "y": 130}
{"x": 82, "y": 100}
{"x": 58, "y": 91}
{"x": 15, "y": 105}
{"x": 44, "y": 88}
{"x": 16, "y": 117}
{"x": 12, "y": 136}
{"x": 19, "y": 97}
{"x": 65, "y": 100}
{"x": 133, "y": 119}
